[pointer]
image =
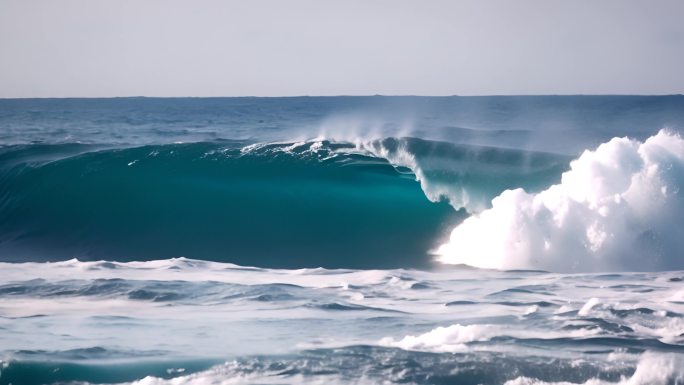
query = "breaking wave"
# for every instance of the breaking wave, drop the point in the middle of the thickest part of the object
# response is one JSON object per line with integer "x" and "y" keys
{"x": 349, "y": 204}
{"x": 295, "y": 204}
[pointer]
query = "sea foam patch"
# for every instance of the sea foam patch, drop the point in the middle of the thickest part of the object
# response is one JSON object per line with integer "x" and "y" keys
{"x": 444, "y": 339}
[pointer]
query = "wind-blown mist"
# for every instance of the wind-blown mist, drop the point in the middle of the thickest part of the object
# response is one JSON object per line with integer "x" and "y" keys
{"x": 618, "y": 208}
{"x": 467, "y": 176}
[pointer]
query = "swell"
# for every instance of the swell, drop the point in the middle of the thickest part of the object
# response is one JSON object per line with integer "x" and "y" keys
{"x": 276, "y": 205}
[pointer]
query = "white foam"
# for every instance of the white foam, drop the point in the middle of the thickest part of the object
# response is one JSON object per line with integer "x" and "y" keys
{"x": 652, "y": 369}
{"x": 189, "y": 270}
{"x": 618, "y": 208}
{"x": 584, "y": 311}
{"x": 531, "y": 310}
{"x": 444, "y": 339}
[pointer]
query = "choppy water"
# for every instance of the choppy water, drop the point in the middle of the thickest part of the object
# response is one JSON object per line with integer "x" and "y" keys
{"x": 358, "y": 215}
{"x": 204, "y": 322}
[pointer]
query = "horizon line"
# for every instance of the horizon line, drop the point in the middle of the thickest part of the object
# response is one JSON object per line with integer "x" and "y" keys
{"x": 335, "y": 96}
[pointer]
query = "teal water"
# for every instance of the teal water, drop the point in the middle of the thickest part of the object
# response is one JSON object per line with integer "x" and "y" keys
{"x": 280, "y": 205}
{"x": 207, "y": 201}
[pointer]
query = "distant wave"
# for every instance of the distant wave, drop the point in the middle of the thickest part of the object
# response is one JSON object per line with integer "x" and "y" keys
{"x": 620, "y": 207}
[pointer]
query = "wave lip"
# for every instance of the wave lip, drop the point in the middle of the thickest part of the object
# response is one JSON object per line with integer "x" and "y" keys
{"x": 618, "y": 208}
{"x": 467, "y": 176}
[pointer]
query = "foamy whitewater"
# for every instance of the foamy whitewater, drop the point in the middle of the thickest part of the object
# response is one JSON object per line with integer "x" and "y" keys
{"x": 348, "y": 240}
{"x": 617, "y": 208}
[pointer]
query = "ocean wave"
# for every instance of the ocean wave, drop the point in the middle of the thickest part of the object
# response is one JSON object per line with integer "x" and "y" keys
{"x": 277, "y": 205}
{"x": 259, "y": 201}
{"x": 267, "y": 204}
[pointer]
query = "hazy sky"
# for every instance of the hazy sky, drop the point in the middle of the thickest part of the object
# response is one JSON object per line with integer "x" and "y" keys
{"x": 321, "y": 47}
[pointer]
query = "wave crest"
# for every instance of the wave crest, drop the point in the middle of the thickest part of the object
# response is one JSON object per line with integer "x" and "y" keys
{"x": 467, "y": 176}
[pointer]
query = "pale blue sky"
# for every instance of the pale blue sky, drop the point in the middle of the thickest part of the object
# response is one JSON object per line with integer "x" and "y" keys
{"x": 321, "y": 47}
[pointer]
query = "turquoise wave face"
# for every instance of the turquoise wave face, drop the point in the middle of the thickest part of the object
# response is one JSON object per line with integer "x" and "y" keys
{"x": 270, "y": 205}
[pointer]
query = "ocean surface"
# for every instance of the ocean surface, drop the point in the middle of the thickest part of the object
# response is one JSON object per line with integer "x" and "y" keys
{"x": 342, "y": 240}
